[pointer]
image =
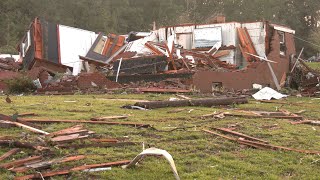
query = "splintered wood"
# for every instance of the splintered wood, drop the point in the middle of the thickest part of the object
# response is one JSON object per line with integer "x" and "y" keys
{"x": 70, "y": 134}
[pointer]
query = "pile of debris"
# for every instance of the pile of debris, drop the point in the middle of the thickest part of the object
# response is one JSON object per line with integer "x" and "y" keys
{"x": 9, "y": 64}
{"x": 225, "y": 55}
{"x": 304, "y": 78}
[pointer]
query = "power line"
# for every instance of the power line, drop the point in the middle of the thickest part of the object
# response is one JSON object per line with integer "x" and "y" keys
{"x": 307, "y": 41}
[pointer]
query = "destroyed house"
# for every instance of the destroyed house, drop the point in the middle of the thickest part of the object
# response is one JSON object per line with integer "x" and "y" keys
{"x": 260, "y": 50}
{"x": 206, "y": 57}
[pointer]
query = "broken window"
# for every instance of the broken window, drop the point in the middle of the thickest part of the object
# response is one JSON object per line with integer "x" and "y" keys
{"x": 26, "y": 44}
{"x": 283, "y": 47}
{"x": 100, "y": 46}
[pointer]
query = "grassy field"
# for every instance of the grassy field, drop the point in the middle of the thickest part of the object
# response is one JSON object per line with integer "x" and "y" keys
{"x": 314, "y": 65}
{"x": 197, "y": 155}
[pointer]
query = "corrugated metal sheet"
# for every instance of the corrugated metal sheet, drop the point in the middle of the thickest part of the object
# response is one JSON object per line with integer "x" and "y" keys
{"x": 207, "y": 37}
{"x": 74, "y": 43}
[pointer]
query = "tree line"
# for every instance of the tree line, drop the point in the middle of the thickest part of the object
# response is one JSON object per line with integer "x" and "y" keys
{"x": 123, "y": 16}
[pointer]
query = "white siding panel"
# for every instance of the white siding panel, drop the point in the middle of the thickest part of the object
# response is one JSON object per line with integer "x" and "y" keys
{"x": 74, "y": 43}
{"x": 229, "y": 32}
{"x": 184, "y": 29}
{"x": 257, "y": 32}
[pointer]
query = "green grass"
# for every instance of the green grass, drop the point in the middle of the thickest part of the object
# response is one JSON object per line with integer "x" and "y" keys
{"x": 197, "y": 155}
{"x": 314, "y": 65}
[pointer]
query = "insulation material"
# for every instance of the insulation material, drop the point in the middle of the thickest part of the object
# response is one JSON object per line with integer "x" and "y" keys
{"x": 268, "y": 94}
{"x": 207, "y": 37}
{"x": 139, "y": 45}
{"x": 74, "y": 43}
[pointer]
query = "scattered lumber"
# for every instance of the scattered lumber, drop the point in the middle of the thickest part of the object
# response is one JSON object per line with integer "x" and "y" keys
{"x": 9, "y": 153}
{"x": 68, "y": 138}
{"x": 47, "y": 164}
{"x": 90, "y": 122}
{"x": 6, "y": 124}
{"x": 108, "y": 118}
{"x": 100, "y": 145}
{"x": 78, "y": 129}
{"x": 79, "y": 168}
{"x": 208, "y": 102}
{"x": 225, "y": 130}
{"x": 311, "y": 122}
{"x": 261, "y": 145}
{"x": 18, "y": 124}
{"x": 20, "y": 162}
{"x": 8, "y": 118}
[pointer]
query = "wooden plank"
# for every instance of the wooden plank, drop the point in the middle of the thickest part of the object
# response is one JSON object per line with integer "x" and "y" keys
{"x": 72, "y": 130}
{"x": 90, "y": 122}
{"x": 68, "y": 138}
{"x": 30, "y": 128}
{"x": 6, "y": 124}
{"x": 79, "y": 168}
{"x": 108, "y": 118}
{"x": 221, "y": 53}
{"x": 241, "y": 135}
{"x": 20, "y": 162}
{"x": 91, "y": 166}
{"x": 45, "y": 164}
{"x": 27, "y": 114}
{"x": 9, "y": 153}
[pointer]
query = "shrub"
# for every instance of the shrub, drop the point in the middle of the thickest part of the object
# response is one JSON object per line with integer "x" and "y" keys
{"x": 21, "y": 85}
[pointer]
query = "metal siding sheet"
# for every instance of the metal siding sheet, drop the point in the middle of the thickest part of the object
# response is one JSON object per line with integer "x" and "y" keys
{"x": 74, "y": 43}
{"x": 229, "y": 32}
{"x": 207, "y": 37}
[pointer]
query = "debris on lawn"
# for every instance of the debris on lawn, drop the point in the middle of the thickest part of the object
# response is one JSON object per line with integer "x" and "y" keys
{"x": 9, "y": 153}
{"x": 155, "y": 152}
{"x": 268, "y": 94}
{"x": 258, "y": 144}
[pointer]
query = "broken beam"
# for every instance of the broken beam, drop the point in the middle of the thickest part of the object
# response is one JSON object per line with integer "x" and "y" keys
{"x": 240, "y": 135}
{"x": 9, "y": 153}
{"x": 20, "y": 162}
